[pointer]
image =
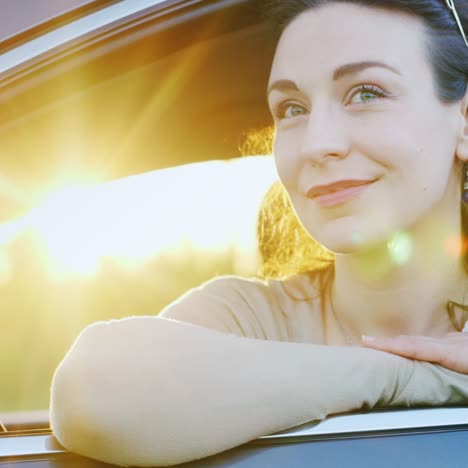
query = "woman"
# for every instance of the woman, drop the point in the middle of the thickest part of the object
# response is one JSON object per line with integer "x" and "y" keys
{"x": 370, "y": 108}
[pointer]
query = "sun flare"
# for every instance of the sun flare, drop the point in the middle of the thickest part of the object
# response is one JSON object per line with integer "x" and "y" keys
{"x": 208, "y": 206}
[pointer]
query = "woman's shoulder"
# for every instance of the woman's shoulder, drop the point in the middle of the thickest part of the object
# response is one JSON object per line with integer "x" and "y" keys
{"x": 253, "y": 307}
{"x": 230, "y": 304}
{"x": 301, "y": 287}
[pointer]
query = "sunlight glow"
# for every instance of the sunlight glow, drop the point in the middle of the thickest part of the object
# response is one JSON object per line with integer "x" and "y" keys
{"x": 10, "y": 191}
{"x": 456, "y": 245}
{"x": 9, "y": 232}
{"x": 205, "y": 206}
{"x": 59, "y": 221}
{"x": 5, "y": 267}
{"x": 400, "y": 247}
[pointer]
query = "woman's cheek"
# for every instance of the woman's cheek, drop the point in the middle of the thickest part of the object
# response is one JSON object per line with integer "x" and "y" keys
{"x": 286, "y": 160}
{"x": 280, "y": 160}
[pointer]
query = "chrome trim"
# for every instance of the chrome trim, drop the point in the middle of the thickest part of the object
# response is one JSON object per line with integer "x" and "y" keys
{"x": 18, "y": 418}
{"x": 25, "y": 420}
{"x": 17, "y": 446}
{"x": 378, "y": 421}
{"x": 71, "y": 31}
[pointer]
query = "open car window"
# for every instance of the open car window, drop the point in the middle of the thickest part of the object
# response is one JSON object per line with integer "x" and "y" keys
{"x": 120, "y": 186}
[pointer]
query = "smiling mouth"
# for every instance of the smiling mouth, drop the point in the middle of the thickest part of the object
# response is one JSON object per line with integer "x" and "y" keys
{"x": 339, "y": 192}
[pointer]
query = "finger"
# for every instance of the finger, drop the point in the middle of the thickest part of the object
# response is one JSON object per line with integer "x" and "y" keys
{"x": 457, "y": 336}
{"x": 453, "y": 334}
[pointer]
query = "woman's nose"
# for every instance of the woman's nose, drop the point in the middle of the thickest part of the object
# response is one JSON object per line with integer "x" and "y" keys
{"x": 324, "y": 137}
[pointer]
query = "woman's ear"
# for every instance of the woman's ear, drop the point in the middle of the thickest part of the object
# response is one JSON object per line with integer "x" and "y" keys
{"x": 462, "y": 146}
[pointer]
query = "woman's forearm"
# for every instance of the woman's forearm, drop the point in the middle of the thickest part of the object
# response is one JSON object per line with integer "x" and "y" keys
{"x": 151, "y": 391}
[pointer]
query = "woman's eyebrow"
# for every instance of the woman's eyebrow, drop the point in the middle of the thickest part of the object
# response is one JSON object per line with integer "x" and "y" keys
{"x": 340, "y": 72}
{"x": 282, "y": 85}
{"x": 351, "y": 68}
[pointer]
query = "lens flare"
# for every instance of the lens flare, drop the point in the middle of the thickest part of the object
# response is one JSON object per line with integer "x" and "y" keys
{"x": 400, "y": 248}
{"x": 456, "y": 246}
{"x": 356, "y": 238}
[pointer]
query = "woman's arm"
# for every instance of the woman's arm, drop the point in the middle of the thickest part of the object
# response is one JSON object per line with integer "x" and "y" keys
{"x": 152, "y": 391}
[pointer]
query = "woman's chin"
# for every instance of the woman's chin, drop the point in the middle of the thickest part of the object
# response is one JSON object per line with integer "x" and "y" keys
{"x": 346, "y": 243}
{"x": 340, "y": 247}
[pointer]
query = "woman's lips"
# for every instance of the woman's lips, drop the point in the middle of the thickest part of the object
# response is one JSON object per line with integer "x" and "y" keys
{"x": 338, "y": 192}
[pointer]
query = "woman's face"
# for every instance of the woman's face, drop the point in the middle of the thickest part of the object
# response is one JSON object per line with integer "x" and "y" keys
{"x": 353, "y": 98}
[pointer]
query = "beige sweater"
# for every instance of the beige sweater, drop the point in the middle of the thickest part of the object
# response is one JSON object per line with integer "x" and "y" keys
{"x": 228, "y": 362}
{"x": 289, "y": 310}
{"x": 274, "y": 310}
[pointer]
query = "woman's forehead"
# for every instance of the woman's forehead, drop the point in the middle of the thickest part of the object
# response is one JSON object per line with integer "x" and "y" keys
{"x": 322, "y": 39}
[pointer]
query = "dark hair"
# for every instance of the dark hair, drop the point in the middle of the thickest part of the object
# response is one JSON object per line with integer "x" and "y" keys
{"x": 447, "y": 51}
{"x": 448, "y": 57}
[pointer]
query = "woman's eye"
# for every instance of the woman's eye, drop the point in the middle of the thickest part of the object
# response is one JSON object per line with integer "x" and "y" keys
{"x": 366, "y": 93}
{"x": 289, "y": 110}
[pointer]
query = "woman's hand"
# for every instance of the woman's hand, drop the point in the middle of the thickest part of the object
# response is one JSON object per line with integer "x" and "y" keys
{"x": 450, "y": 351}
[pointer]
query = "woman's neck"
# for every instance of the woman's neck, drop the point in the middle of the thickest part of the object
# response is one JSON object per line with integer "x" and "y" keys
{"x": 403, "y": 286}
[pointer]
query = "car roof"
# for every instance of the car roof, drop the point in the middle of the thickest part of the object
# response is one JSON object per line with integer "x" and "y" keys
{"x": 40, "y": 44}
{"x": 22, "y": 19}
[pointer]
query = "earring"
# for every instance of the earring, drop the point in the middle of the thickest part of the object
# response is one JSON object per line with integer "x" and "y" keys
{"x": 465, "y": 183}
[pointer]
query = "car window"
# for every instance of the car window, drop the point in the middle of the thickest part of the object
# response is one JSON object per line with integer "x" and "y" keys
{"x": 122, "y": 185}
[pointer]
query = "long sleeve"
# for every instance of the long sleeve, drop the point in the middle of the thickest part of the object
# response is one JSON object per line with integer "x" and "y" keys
{"x": 150, "y": 391}
{"x": 432, "y": 385}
